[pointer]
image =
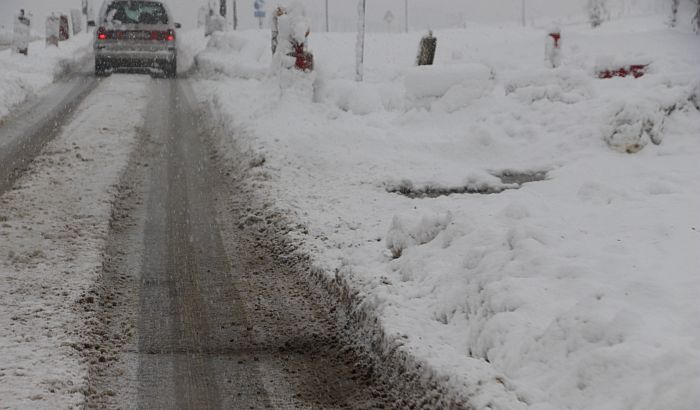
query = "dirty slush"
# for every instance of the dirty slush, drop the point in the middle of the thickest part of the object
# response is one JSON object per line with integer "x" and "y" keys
{"x": 198, "y": 308}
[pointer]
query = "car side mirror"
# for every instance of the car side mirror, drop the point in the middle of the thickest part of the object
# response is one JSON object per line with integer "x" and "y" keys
{"x": 178, "y": 25}
{"x": 91, "y": 23}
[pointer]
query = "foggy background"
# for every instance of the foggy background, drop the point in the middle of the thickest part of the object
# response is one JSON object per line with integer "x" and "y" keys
{"x": 423, "y": 14}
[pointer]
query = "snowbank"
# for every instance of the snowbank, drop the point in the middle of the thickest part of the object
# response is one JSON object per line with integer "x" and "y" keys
{"x": 23, "y": 76}
{"x": 577, "y": 291}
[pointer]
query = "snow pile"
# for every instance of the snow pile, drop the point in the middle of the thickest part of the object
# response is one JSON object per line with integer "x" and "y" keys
{"x": 578, "y": 291}
{"x": 189, "y": 44}
{"x": 436, "y": 81}
{"x": 5, "y": 38}
{"x": 409, "y": 230}
{"x": 634, "y": 125}
{"x": 563, "y": 85}
{"x": 23, "y": 76}
{"x": 235, "y": 55}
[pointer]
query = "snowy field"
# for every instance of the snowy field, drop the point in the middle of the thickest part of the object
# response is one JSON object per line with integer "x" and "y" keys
{"x": 23, "y": 77}
{"x": 577, "y": 291}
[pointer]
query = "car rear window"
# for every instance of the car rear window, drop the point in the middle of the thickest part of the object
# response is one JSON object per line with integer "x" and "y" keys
{"x": 136, "y": 12}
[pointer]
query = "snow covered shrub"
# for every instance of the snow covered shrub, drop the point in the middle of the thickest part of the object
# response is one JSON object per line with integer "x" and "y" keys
{"x": 696, "y": 19}
{"x": 597, "y": 12}
{"x": 634, "y": 125}
{"x": 412, "y": 229}
{"x": 294, "y": 28}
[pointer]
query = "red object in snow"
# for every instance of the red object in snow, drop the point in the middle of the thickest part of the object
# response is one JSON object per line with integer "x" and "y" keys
{"x": 635, "y": 70}
{"x": 63, "y": 33}
{"x": 556, "y": 37}
{"x": 304, "y": 60}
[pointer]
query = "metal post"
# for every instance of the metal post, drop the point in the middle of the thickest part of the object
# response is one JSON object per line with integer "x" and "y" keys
{"x": 327, "y": 27}
{"x": 260, "y": 23}
{"x": 235, "y": 16}
{"x": 360, "y": 47}
{"x": 406, "y": 15}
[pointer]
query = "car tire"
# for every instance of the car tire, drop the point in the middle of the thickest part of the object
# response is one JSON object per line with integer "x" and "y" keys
{"x": 100, "y": 68}
{"x": 170, "y": 69}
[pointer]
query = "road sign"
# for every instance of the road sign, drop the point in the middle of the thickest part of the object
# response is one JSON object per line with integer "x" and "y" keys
{"x": 259, "y": 5}
{"x": 260, "y": 13}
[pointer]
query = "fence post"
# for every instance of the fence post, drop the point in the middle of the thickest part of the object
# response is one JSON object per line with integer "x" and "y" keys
{"x": 64, "y": 29}
{"x": 360, "y": 45}
{"x": 21, "y": 34}
{"x": 553, "y": 48}
{"x": 52, "y": 30}
{"x": 426, "y": 50}
{"x": 77, "y": 20}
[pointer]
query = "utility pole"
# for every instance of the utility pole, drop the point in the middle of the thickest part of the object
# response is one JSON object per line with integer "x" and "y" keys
{"x": 406, "y": 15}
{"x": 327, "y": 25}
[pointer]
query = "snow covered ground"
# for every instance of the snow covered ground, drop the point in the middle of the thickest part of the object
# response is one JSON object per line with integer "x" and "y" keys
{"x": 578, "y": 291}
{"x": 24, "y": 76}
{"x": 53, "y": 229}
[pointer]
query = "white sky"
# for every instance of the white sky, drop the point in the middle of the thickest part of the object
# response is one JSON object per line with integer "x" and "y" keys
{"x": 423, "y": 14}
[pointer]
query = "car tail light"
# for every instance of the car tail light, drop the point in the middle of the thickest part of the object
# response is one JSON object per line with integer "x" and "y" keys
{"x": 101, "y": 34}
{"x": 170, "y": 35}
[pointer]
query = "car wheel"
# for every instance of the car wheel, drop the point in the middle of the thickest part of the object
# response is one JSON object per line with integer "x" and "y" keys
{"x": 100, "y": 68}
{"x": 171, "y": 69}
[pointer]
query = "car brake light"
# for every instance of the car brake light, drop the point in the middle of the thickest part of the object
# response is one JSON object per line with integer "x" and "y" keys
{"x": 170, "y": 36}
{"x": 101, "y": 35}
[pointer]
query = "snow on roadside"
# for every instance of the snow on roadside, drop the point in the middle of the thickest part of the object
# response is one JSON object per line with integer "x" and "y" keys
{"x": 53, "y": 228}
{"x": 189, "y": 44}
{"x": 574, "y": 292}
{"x": 22, "y": 77}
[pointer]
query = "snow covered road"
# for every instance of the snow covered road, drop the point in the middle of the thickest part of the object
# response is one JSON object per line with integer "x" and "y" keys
{"x": 23, "y": 135}
{"x": 53, "y": 229}
{"x": 127, "y": 278}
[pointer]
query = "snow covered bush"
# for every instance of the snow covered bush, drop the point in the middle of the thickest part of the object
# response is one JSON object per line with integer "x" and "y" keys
{"x": 696, "y": 19}
{"x": 634, "y": 125}
{"x": 293, "y": 29}
{"x": 413, "y": 229}
{"x": 597, "y": 12}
